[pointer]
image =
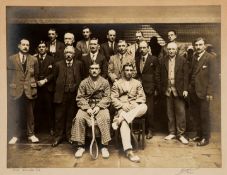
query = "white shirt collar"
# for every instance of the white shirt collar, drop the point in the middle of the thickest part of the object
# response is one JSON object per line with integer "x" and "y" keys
{"x": 69, "y": 62}
{"x": 21, "y": 56}
{"x": 53, "y": 42}
{"x": 109, "y": 43}
{"x": 173, "y": 58}
{"x": 200, "y": 55}
{"x": 42, "y": 56}
{"x": 145, "y": 57}
{"x": 93, "y": 55}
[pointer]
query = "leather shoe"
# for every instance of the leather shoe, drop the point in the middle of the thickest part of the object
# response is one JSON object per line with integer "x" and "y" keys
{"x": 195, "y": 139}
{"x": 56, "y": 143}
{"x": 149, "y": 135}
{"x": 203, "y": 142}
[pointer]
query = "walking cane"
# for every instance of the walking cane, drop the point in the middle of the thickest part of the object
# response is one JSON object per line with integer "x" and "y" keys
{"x": 94, "y": 151}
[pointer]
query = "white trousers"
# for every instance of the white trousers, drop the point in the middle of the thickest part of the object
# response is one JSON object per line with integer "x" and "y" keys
{"x": 138, "y": 111}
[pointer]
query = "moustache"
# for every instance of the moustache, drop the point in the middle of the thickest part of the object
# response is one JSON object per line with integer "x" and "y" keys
{"x": 67, "y": 56}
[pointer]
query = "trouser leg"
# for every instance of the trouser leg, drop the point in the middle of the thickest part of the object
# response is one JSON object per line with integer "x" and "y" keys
{"x": 150, "y": 113}
{"x": 29, "y": 107}
{"x": 205, "y": 119}
{"x": 180, "y": 116}
{"x": 138, "y": 111}
{"x": 79, "y": 127}
{"x": 60, "y": 120}
{"x": 171, "y": 114}
{"x": 125, "y": 136}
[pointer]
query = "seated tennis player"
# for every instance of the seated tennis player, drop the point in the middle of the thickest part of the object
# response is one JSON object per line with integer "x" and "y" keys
{"x": 93, "y": 99}
{"x": 128, "y": 99}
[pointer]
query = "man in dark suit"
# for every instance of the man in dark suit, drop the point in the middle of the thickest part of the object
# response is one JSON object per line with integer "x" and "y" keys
{"x": 55, "y": 47}
{"x": 83, "y": 45}
{"x": 174, "y": 84}
{"x": 94, "y": 56}
{"x": 68, "y": 77}
{"x": 22, "y": 70}
{"x": 69, "y": 40}
{"x": 202, "y": 80}
{"x": 148, "y": 73}
{"x": 45, "y": 86}
{"x": 109, "y": 48}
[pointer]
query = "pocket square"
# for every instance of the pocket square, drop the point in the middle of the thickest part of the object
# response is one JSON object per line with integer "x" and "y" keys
{"x": 50, "y": 66}
{"x": 204, "y": 66}
{"x": 151, "y": 64}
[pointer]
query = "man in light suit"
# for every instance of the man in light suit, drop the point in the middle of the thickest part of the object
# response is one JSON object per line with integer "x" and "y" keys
{"x": 118, "y": 60}
{"x": 68, "y": 77}
{"x": 83, "y": 45}
{"x": 45, "y": 87}
{"x": 128, "y": 99}
{"x": 109, "y": 48}
{"x": 55, "y": 47}
{"x": 202, "y": 80}
{"x": 174, "y": 84}
{"x": 22, "y": 73}
{"x": 94, "y": 56}
{"x": 147, "y": 67}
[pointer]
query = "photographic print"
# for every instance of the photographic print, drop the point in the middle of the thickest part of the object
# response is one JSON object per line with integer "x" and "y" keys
{"x": 113, "y": 86}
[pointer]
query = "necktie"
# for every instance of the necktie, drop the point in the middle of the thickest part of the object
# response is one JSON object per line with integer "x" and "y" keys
{"x": 142, "y": 64}
{"x": 41, "y": 59}
{"x": 93, "y": 58}
{"x": 23, "y": 59}
{"x": 112, "y": 47}
{"x": 69, "y": 64}
{"x": 121, "y": 61}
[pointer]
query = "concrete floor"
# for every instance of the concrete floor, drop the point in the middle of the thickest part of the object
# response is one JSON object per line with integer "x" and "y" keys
{"x": 158, "y": 153}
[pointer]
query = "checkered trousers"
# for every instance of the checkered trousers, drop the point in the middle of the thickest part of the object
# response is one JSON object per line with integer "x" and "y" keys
{"x": 82, "y": 119}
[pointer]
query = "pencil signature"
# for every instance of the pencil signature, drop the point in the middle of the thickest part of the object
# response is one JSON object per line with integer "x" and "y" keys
{"x": 186, "y": 171}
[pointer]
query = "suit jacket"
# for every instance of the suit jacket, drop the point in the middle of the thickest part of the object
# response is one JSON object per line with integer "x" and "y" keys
{"x": 59, "y": 55}
{"x": 60, "y": 76}
{"x": 205, "y": 75}
{"x": 46, "y": 71}
{"x": 120, "y": 94}
{"x": 107, "y": 51}
{"x": 150, "y": 76}
{"x": 100, "y": 59}
{"x": 20, "y": 81}
{"x": 115, "y": 66}
{"x": 181, "y": 74}
{"x": 133, "y": 50}
{"x": 78, "y": 54}
{"x": 81, "y": 45}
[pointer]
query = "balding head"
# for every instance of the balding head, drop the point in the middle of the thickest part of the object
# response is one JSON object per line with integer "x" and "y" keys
{"x": 172, "y": 49}
{"x": 69, "y": 39}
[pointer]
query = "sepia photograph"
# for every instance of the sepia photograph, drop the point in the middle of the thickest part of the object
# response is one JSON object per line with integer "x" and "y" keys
{"x": 109, "y": 86}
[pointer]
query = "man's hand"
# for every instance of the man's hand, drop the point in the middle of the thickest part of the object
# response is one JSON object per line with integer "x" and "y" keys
{"x": 126, "y": 107}
{"x": 90, "y": 111}
{"x": 42, "y": 82}
{"x": 209, "y": 97}
{"x": 185, "y": 94}
{"x": 96, "y": 110}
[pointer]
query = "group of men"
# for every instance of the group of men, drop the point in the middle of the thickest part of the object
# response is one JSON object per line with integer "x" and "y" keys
{"x": 76, "y": 83}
